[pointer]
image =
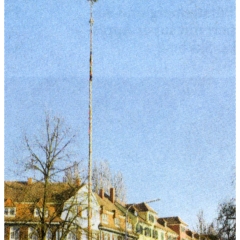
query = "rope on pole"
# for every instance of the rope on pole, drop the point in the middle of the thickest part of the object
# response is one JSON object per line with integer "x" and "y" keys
{"x": 90, "y": 128}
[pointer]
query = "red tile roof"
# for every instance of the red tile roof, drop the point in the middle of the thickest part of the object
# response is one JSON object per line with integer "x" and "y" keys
{"x": 24, "y": 192}
{"x": 9, "y": 203}
{"x": 26, "y": 197}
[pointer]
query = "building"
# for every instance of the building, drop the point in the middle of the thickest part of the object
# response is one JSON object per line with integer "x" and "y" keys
{"x": 113, "y": 219}
{"x": 60, "y": 211}
{"x": 148, "y": 227}
{"x": 180, "y": 227}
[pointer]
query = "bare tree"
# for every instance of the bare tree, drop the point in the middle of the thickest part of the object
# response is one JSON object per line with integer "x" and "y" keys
{"x": 49, "y": 156}
{"x": 204, "y": 229}
{"x": 101, "y": 176}
{"x": 118, "y": 184}
{"x": 104, "y": 178}
{"x": 72, "y": 174}
{"x": 201, "y": 227}
{"x": 226, "y": 220}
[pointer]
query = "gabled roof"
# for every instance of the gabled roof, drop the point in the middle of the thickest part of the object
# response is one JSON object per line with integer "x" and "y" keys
{"x": 173, "y": 220}
{"x": 24, "y": 192}
{"x": 9, "y": 203}
{"x": 162, "y": 221}
{"x": 27, "y": 197}
{"x": 144, "y": 207}
{"x": 107, "y": 205}
{"x": 141, "y": 207}
{"x": 165, "y": 228}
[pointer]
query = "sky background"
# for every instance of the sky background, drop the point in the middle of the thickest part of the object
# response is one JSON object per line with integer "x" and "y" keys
{"x": 163, "y": 92}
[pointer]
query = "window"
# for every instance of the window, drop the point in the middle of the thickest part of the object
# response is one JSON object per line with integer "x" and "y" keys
{"x": 155, "y": 233}
{"x": 38, "y": 212}
{"x": 71, "y": 236}
{"x": 58, "y": 234}
{"x": 182, "y": 229}
{"x": 151, "y": 218}
{"x": 32, "y": 234}
{"x": 14, "y": 233}
{"x": 162, "y": 236}
{"x": 114, "y": 237}
{"x": 84, "y": 213}
{"x": 49, "y": 235}
{"x": 129, "y": 226}
{"x": 10, "y": 211}
{"x": 105, "y": 218}
{"x": 148, "y": 232}
{"x": 139, "y": 229}
{"x": 117, "y": 222}
{"x": 106, "y": 236}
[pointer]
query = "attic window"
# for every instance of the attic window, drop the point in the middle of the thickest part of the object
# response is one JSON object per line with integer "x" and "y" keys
{"x": 117, "y": 222}
{"x": 151, "y": 218}
{"x": 10, "y": 211}
{"x": 129, "y": 226}
{"x": 38, "y": 212}
{"x": 105, "y": 218}
{"x": 182, "y": 229}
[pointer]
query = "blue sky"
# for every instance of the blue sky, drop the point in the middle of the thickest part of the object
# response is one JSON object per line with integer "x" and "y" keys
{"x": 163, "y": 92}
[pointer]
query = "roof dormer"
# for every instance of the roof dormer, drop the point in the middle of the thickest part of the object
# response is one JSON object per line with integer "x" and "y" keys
{"x": 9, "y": 208}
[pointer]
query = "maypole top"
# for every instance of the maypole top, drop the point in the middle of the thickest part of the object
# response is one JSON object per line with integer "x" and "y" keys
{"x": 92, "y": 1}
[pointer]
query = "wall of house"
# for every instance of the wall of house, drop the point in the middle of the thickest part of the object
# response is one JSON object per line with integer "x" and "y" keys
{"x": 178, "y": 229}
{"x": 6, "y": 232}
{"x": 81, "y": 200}
{"x": 142, "y": 236}
{"x": 106, "y": 235}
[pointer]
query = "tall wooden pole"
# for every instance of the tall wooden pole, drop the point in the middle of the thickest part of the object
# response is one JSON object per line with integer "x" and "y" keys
{"x": 90, "y": 129}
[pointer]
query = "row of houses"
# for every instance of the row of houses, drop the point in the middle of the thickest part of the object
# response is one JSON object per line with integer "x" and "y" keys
{"x": 61, "y": 212}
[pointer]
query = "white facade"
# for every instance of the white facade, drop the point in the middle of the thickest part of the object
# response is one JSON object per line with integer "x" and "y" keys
{"x": 77, "y": 208}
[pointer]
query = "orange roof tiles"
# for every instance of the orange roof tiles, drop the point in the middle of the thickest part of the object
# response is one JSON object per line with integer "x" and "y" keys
{"x": 23, "y": 192}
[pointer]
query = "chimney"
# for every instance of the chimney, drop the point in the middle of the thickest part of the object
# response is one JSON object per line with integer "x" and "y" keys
{"x": 29, "y": 182}
{"x": 165, "y": 223}
{"x": 78, "y": 182}
{"x": 103, "y": 209}
{"x": 101, "y": 193}
{"x": 112, "y": 195}
{"x": 115, "y": 214}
